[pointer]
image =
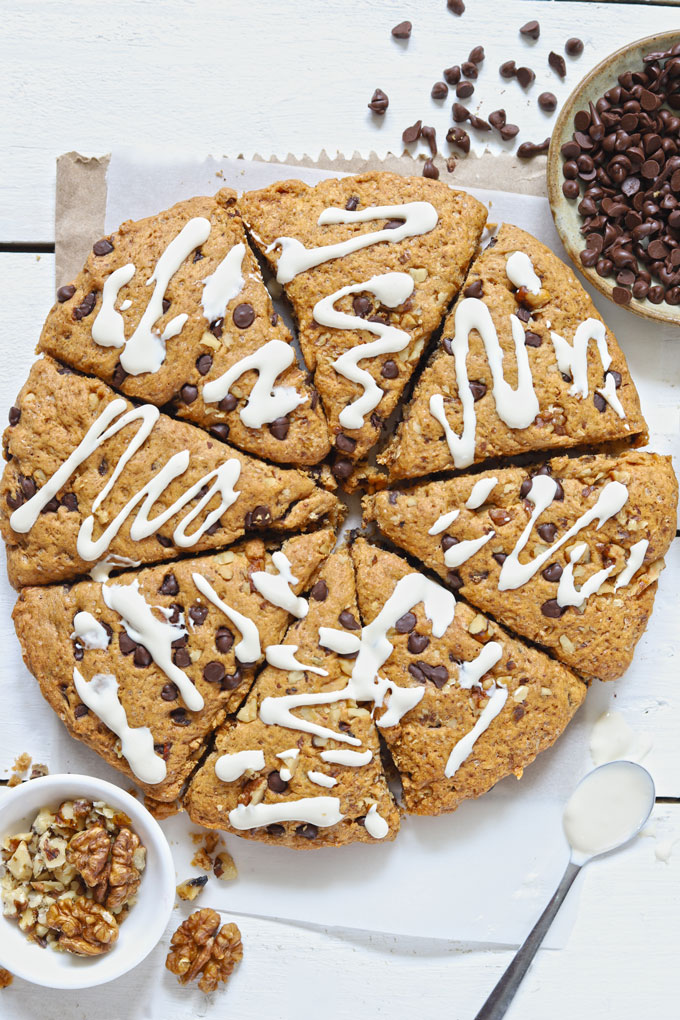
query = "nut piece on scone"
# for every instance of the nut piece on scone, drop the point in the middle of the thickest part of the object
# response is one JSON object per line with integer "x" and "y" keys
{"x": 566, "y": 554}
{"x": 216, "y": 312}
{"x": 295, "y": 786}
{"x": 489, "y": 702}
{"x": 389, "y": 293}
{"x": 547, "y": 375}
{"x": 201, "y": 947}
{"x": 82, "y": 629}
{"x": 90, "y": 477}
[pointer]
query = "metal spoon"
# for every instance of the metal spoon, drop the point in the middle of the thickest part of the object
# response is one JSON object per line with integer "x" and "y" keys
{"x": 620, "y": 797}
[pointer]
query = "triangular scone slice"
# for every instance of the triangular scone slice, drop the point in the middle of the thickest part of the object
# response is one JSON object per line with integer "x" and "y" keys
{"x": 302, "y": 787}
{"x": 489, "y": 703}
{"x": 567, "y": 554}
{"x": 65, "y": 503}
{"x": 158, "y": 642}
{"x": 548, "y": 374}
{"x": 399, "y": 251}
{"x": 189, "y": 273}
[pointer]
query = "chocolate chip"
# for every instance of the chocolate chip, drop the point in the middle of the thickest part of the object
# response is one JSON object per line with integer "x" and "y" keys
{"x": 65, "y": 293}
{"x": 28, "y": 487}
{"x": 509, "y": 131}
{"x": 532, "y": 339}
{"x": 455, "y": 6}
{"x": 573, "y": 47}
{"x": 518, "y": 712}
{"x": 307, "y": 831}
{"x": 14, "y": 415}
{"x": 527, "y": 150}
{"x": 142, "y": 657}
{"x": 497, "y": 119}
{"x": 599, "y": 402}
{"x": 125, "y": 643}
{"x": 348, "y": 621}
{"x": 213, "y": 672}
{"x": 169, "y": 585}
{"x": 179, "y": 717}
{"x": 478, "y": 124}
{"x": 469, "y": 70}
{"x": 438, "y": 675}
{"x": 228, "y": 403}
{"x": 389, "y": 370}
{"x": 319, "y": 591}
{"x": 231, "y": 681}
{"x": 188, "y": 393}
{"x": 454, "y": 580}
{"x": 621, "y": 295}
{"x": 78, "y": 651}
{"x": 547, "y": 532}
{"x": 243, "y": 315}
{"x": 406, "y": 623}
{"x": 119, "y": 375}
{"x": 402, "y": 30}
{"x": 411, "y": 134}
{"x": 86, "y": 306}
{"x": 525, "y": 76}
{"x": 417, "y": 643}
{"x": 204, "y": 363}
{"x": 464, "y": 89}
{"x": 508, "y": 69}
{"x": 474, "y": 290}
{"x": 440, "y": 90}
{"x": 459, "y": 137}
{"x": 430, "y": 170}
{"x": 103, "y": 247}
{"x": 500, "y": 558}
{"x": 448, "y": 542}
{"x": 198, "y": 614}
{"x": 260, "y": 516}
{"x": 352, "y": 203}
{"x": 553, "y": 572}
{"x": 169, "y": 692}
{"x": 452, "y": 74}
{"x": 532, "y": 29}
{"x": 345, "y": 443}
{"x": 80, "y": 710}
{"x": 217, "y": 327}
{"x": 379, "y": 102}
{"x": 477, "y": 388}
{"x": 476, "y": 55}
{"x": 275, "y": 829}
{"x": 280, "y": 427}
{"x": 430, "y": 136}
{"x": 552, "y": 609}
{"x": 70, "y": 501}
{"x": 342, "y": 468}
{"x": 547, "y": 101}
{"x": 275, "y": 783}
{"x": 224, "y": 639}
{"x": 557, "y": 62}
{"x": 220, "y": 431}
{"x": 460, "y": 114}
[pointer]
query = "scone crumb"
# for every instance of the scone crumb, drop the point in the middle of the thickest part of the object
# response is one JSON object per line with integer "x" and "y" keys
{"x": 5, "y": 978}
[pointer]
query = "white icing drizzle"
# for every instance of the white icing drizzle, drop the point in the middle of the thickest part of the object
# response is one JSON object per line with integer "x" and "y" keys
{"x": 418, "y": 218}
{"x": 174, "y": 327}
{"x": 567, "y": 592}
{"x": 608, "y": 392}
{"x": 291, "y": 753}
{"x": 103, "y": 428}
{"x": 521, "y": 273}
{"x": 124, "y": 305}
{"x": 266, "y": 401}
{"x": 321, "y": 811}
{"x": 481, "y": 491}
{"x": 542, "y": 492}
{"x": 229, "y": 767}
{"x": 224, "y": 284}
{"x": 283, "y": 657}
{"x": 462, "y": 551}
{"x": 101, "y": 571}
{"x": 352, "y": 759}
{"x": 391, "y": 289}
{"x": 278, "y": 711}
{"x": 89, "y": 631}
{"x": 101, "y": 697}
{"x": 156, "y": 635}
{"x": 145, "y": 350}
{"x": 470, "y": 673}
{"x": 108, "y": 329}
{"x": 463, "y": 748}
{"x": 375, "y": 824}
{"x": 276, "y": 588}
{"x": 321, "y": 779}
{"x": 517, "y": 408}
{"x": 442, "y": 523}
{"x": 248, "y": 649}
{"x": 572, "y": 359}
{"x": 340, "y": 641}
{"x": 636, "y": 557}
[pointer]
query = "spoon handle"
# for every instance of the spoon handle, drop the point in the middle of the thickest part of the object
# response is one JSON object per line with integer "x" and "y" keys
{"x": 502, "y": 995}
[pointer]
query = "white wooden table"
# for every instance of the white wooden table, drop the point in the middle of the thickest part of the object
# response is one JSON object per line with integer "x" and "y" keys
{"x": 295, "y": 76}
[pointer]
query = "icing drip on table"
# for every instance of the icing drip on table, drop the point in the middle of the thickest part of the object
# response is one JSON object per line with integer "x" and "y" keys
{"x": 442, "y": 523}
{"x": 391, "y": 289}
{"x": 517, "y": 408}
{"x": 418, "y": 218}
{"x": 266, "y": 402}
{"x": 101, "y": 697}
{"x": 224, "y": 284}
{"x": 320, "y": 811}
{"x": 89, "y": 631}
{"x": 351, "y": 759}
{"x": 339, "y": 641}
{"x": 248, "y": 649}
{"x": 283, "y": 657}
{"x": 636, "y": 557}
{"x": 276, "y": 588}
{"x": 542, "y": 492}
{"x": 108, "y": 329}
{"x": 154, "y": 634}
{"x": 375, "y": 824}
{"x": 481, "y": 491}
{"x": 567, "y": 592}
{"x": 230, "y": 767}
{"x": 572, "y": 358}
{"x": 520, "y": 272}
{"x": 464, "y": 747}
{"x": 321, "y": 779}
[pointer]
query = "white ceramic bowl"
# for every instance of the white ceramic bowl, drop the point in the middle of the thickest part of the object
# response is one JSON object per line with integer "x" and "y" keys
{"x": 145, "y": 922}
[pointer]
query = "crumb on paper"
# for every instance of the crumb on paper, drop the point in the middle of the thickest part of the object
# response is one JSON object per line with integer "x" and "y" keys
{"x": 20, "y": 767}
{"x": 202, "y": 860}
{"x": 161, "y": 809}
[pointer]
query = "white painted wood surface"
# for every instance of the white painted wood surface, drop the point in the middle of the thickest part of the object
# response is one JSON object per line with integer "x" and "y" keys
{"x": 295, "y": 77}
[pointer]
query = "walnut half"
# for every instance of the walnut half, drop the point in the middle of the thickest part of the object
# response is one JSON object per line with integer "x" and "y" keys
{"x": 84, "y": 927}
{"x": 200, "y": 946}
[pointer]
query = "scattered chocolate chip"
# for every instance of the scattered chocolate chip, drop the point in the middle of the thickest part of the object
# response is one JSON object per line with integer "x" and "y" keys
{"x": 622, "y": 295}
{"x": 430, "y": 136}
{"x": 460, "y": 114}
{"x": 532, "y": 29}
{"x": 402, "y": 30}
{"x": 452, "y": 74}
{"x": 379, "y": 102}
{"x": 464, "y": 89}
{"x": 509, "y": 131}
{"x": 125, "y": 643}
{"x": 476, "y": 55}
{"x": 280, "y": 427}
{"x": 440, "y": 90}
{"x": 169, "y": 585}
{"x": 527, "y": 150}
{"x": 86, "y": 306}
{"x": 307, "y": 831}
{"x": 557, "y": 62}
{"x": 142, "y": 657}
{"x": 78, "y": 651}
{"x": 412, "y": 134}
{"x": 478, "y": 389}
{"x": 573, "y": 47}
{"x": 430, "y": 170}
{"x": 455, "y": 6}
{"x": 459, "y": 137}
{"x": 552, "y": 609}
{"x": 497, "y": 119}
{"x": 478, "y": 123}
{"x": 65, "y": 293}
{"x": 552, "y": 572}
{"x": 525, "y": 76}
{"x": 348, "y": 621}
{"x": 406, "y": 623}
{"x": 275, "y": 783}
{"x": 345, "y": 443}
{"x": 508, "y": 69}
{"x": 204, "y": 363}
{"x": 417, "y": 643}
{"x": 469, "y": 70}
{"x": 547, "y": 101}
{"x": 319, "y": 591}
{"x": 103, "y": 247}
{"x": 243, "y": 315}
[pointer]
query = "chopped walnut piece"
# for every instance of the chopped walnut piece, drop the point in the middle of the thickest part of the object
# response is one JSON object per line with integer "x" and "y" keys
{"x": 128, "y": 858}
{"x": 85, "y": 928}
{"x": 200, "y": 946}
{"x": 5, "y": 978}
{"x": 190, "y": 889}
{"x": 224, "y": 867}
{"x": 88, "y": 851}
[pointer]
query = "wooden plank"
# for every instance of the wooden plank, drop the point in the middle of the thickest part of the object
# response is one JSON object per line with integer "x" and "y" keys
{"x": 293, "y": 77}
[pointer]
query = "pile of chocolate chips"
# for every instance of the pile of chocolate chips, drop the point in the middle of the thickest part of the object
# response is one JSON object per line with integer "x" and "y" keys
{"x": 626, "y": 151}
